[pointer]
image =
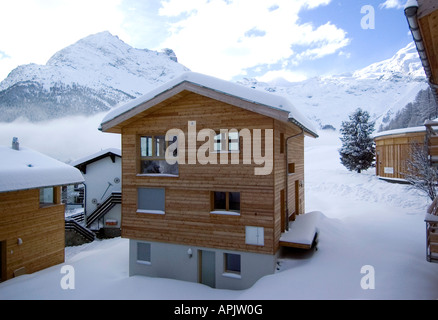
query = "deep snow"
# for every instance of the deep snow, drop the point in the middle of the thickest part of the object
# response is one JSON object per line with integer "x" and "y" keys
{"x": 362, "y": 220}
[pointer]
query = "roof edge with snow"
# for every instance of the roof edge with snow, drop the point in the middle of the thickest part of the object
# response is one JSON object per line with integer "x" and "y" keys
{"x": 271, "y": 105}
{"x": 26, "y": 169}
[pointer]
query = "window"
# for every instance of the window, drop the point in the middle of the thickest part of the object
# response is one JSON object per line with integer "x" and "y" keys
{"x": 225, "y": 202}
{"x": 143, "y": 253}
{"x": 151, "y": 200}
{"x": 226, "y": 141}
{"x": 47, "y": 196}
{"x": 153, "y": 155}
{"x": 282, "y": 143}
{"x": 291, "y": 168}
{"x": 232, "y": 263}
{"x": 255, "y": 236}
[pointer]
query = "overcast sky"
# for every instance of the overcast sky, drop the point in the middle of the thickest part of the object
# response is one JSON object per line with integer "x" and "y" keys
{"x": 229, "y": 39}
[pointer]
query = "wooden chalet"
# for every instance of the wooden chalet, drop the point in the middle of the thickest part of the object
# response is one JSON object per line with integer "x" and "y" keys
{"x": 215, "y": 222}
{"x": 31, "y": 214}
{"x": 393, "y": 149}
{"x": 422, "y": 18}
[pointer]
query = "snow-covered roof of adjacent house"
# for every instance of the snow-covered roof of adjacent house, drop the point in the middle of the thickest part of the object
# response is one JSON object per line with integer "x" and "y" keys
{"x": 82, "y": 163}
{"x": 98, "y": 155}
{"x": 28, "y": 169}
{"x": 261, "y": 98}
{"x": 400, "y": 131}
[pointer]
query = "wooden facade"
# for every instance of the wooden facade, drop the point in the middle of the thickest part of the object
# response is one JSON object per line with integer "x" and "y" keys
{"x": 393, "y": 150}
{"x": 188, "y": 218}
{"x": 31, "y": 235}
{"x": 422, "y": 17}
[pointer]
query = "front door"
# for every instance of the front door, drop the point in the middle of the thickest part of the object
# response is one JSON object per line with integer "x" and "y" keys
{"x": 207, "y": 268}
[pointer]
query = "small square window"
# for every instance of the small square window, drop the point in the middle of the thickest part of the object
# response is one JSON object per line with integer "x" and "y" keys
{"x": 232, "y": 263}
{"x": 144, "y": 253}
{"x": 47, "y": 196}
{"x": 291, "y": 167}
{"x": 226, "y": 202}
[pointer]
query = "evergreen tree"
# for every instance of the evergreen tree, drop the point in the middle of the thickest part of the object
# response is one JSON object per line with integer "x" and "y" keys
{"x": 358, "y": 149}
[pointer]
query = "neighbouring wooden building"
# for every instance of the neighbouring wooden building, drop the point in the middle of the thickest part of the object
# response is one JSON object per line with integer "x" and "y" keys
{"x": 215, "y": 212}
{"x": 31, "y": 214}
{"x": 393, "y": 149}
{"x": 102, "y": 172}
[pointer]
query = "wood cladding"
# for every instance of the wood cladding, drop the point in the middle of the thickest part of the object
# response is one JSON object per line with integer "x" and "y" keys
{"x": 188, "y": 218}
{"x": 41, "y": 230}
{"x": 393, "y": 151}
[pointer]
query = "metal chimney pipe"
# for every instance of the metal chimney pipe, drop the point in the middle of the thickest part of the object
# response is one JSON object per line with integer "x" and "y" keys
{"x": 15, "y": 144}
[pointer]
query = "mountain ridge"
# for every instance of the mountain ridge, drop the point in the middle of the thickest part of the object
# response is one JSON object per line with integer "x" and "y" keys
{"x": 92, "y": 75}
{"x": 100, "y": 72}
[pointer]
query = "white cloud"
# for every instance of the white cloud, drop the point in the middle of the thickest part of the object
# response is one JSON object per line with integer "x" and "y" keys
{"x": 282, "y": 74}
{"x": 392, "y": 4}
{"x": 223, "y": 38}
{"x": 36, "y": 29}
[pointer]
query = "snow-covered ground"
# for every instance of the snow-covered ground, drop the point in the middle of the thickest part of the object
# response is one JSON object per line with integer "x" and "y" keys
{"x": 362, "y": 220}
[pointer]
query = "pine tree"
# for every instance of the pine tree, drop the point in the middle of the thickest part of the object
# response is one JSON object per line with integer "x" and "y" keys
{"x": 358, "y": 149}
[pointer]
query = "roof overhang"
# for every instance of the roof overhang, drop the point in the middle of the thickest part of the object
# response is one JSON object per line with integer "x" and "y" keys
{"x": 147, "y": 104}
{"x": 422, "y": 17}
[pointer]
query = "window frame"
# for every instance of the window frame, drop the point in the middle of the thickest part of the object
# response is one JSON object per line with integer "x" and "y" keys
{"x": 154, "y": 210}
{"x": 156, "y": 153}
{"x": 226, "y": 210}
{"x": 228, "y": 271}
{"x": 225, "y": 142}
{"x": 54, "y": 197}
{"x": 148, "y": 253}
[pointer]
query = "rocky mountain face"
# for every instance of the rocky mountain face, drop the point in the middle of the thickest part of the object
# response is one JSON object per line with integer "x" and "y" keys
{"x": 383, "y": 89}
{"x": 90, "y": 76}
{"x": 101, "y": 71}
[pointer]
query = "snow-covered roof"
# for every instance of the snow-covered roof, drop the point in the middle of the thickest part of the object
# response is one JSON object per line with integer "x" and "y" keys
{"x": 28, "y": 169}
{"x": 262, "y": 98}
{"x": 96, "y": 156}
{"x": 400, "y": 131}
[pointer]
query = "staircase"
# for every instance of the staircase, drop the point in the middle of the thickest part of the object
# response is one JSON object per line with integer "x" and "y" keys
{"x": 86, "y": 235}
{"x": 103, "y": 208}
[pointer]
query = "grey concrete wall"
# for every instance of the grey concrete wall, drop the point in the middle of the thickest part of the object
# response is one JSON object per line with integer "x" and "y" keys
{"x": 173, "y": 261}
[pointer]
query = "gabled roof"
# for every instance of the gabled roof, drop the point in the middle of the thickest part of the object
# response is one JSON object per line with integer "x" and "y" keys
{"x": 28, "y": 169}
{"x": 271, "y": 105}
{"x": 82, "y": 163}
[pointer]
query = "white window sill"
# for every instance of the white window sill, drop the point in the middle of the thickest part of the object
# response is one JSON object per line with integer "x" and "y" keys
{"x": 157, "y": 175}
{"x": 148, "y": 263}
{"x": 226, "y": 213}
{"x": 232, "y": 275}
{"x": 151, "y": 211}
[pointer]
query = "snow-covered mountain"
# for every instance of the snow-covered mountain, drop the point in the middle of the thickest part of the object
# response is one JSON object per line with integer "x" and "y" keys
{"x": 101, "y": 71}
{"x": 383, "y": 89}
{"x": 89, "y": 76}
